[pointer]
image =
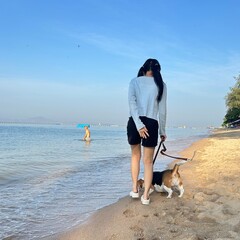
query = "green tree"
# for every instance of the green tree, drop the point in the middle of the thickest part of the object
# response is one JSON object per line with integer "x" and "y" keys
{"x": 233, "y": 97}
{"x": 233, "y": 103}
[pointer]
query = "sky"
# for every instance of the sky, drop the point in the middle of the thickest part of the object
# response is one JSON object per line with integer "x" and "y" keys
{"x": 71, "y": 61}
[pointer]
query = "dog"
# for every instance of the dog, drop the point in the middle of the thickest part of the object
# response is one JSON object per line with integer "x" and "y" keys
{"x": 165, "y": 181}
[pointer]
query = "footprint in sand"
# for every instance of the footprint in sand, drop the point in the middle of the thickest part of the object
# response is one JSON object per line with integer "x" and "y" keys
{"x": 113, "y": 237}
{"x": 128, "y": 213}
{"x": 138, "y": 232}
{"x": 206, "y": 196}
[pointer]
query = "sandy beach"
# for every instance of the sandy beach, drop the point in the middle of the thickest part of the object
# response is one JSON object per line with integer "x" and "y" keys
{"x": 209, "y": 208}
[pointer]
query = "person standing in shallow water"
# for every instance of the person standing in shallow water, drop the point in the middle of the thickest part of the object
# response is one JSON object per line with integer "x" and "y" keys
{"x": 87, "y": 134}
{"x": 147, "y": 96}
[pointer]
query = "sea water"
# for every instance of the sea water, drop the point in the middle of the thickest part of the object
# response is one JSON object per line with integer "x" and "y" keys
{"x": 51, "y": 180}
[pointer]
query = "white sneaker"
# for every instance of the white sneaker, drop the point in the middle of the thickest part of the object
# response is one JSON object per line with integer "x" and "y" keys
{"x": 145, "y": 201}
{"x": 134, "y": 194}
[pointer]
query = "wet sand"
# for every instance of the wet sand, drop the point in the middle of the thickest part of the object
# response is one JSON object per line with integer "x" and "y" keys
{"x": 209, "y": 208}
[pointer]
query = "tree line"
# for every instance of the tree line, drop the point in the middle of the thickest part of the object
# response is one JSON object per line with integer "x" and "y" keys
{"x": 233, "y": 104}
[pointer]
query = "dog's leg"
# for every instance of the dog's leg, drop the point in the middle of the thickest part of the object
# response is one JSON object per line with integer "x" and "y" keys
{"x": 151, "y": 190}
{"x": 168, "y": 190}
{"x": 181, "y": 190}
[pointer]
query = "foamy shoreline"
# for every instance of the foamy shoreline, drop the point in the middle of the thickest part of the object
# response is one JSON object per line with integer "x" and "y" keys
{"x": 209, "y": 209}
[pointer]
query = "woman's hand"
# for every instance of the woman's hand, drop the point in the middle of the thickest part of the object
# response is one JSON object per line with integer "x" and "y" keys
{"x": 163, "y": 137}
{"x": 143, "y": 132}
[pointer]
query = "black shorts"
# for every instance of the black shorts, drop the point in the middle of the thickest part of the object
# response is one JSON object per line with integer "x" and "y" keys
{"x": 133, "y": 134}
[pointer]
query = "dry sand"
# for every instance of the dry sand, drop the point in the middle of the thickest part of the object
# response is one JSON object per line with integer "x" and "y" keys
{"x": 209, "y": 208}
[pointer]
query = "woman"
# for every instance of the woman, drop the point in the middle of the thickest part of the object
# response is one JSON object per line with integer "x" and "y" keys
{"x": 147, "y": 104}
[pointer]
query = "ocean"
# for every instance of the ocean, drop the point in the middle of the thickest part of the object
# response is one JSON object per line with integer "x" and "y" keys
{"x": 51, "y": 180}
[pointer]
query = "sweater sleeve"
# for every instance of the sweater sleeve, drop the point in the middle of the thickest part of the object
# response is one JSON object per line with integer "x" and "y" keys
{"x": 132, "y": 101}
{"x": 163, "y": 112}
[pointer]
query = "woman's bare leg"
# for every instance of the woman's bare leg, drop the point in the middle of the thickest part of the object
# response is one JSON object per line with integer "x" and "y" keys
{"x": 148, "y": 169}
{"x": 135, "y": 165}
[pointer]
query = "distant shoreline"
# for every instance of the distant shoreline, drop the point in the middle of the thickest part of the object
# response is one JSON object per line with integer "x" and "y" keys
{"x": 98, "y": 125}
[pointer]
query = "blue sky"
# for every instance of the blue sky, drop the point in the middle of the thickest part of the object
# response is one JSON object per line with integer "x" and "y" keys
{"x": 71, "y": 61}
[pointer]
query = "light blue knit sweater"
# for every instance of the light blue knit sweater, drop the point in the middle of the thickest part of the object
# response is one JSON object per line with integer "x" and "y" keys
{"x": 142, "y": 99}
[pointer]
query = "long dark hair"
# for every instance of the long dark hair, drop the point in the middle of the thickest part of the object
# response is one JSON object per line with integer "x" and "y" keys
{"x": 154, "y": 66}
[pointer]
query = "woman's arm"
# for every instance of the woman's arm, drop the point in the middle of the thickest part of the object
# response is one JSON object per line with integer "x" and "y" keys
{"x": 132, "y": 101}
{"x": 163, "y": 112}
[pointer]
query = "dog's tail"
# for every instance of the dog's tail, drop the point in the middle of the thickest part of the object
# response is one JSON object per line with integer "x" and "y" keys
{"x": 175, "y": 169}
{"x": 176, "y": 166}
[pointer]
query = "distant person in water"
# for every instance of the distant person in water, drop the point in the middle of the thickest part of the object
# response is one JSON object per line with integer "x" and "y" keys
{"x": 87, "y": 134}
